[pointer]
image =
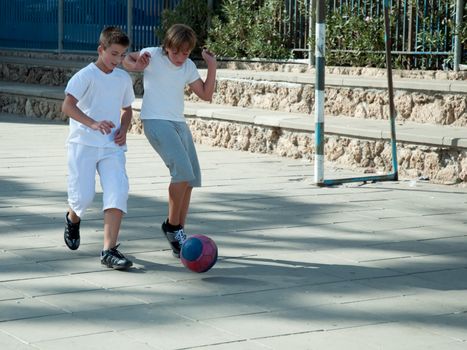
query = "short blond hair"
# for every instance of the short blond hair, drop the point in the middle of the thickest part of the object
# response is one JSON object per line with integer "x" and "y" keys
{"x": 113, "y": 35}
{"x": 179, "y": 36}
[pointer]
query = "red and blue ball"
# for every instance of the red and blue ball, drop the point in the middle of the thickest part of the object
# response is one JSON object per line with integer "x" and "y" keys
{"x": 199, "y": 253}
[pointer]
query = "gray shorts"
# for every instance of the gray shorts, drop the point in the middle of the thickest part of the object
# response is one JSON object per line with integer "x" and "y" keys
{"x": 174, "y": 144}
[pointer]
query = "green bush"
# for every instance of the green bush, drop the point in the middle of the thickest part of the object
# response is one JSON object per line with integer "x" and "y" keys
{"x": 248, "y": 29}
{"x": 350, "y": 39}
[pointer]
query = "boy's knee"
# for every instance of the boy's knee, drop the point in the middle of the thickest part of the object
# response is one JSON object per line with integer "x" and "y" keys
{"x": 116, "y": 200}
{"x": 81, "y": 203}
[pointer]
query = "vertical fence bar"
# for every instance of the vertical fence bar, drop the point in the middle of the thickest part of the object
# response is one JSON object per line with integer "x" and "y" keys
{"x": 319, "y": 90}
{"x": 60, "y": 26}
{"x": 311, "y": 32}
{"x": 457, "y": 42}
{"x": 129, "y": 23}
{"x": 211, "y": 9}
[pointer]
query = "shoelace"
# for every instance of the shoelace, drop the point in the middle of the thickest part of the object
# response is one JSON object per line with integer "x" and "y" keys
{"x": 73, "y": 230}
{"x": 180, "y": 236}
{"x": 116, "y": 253}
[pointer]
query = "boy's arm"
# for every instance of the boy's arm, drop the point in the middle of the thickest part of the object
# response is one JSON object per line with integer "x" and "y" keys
{"x": 205, "y": 90}
{"x": 136, "y": 62}
{"x": 70, "y": 109}
{"x": 120, "y": 135}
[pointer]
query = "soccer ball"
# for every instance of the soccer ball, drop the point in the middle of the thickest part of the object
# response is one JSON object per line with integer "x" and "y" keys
{"x": 199, "y": 253}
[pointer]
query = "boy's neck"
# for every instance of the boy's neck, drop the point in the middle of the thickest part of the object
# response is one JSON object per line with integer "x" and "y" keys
{"x": 99, "y": 64}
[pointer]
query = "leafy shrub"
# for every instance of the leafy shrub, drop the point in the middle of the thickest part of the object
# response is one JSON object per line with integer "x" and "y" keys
{"x": 249, "y": 29}
{"x": 351, "y": 40}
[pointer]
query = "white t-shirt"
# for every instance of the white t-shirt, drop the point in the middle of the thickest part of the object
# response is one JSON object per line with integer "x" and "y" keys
{"x": 100, "y": 96}
{"x": 164, "y": 85}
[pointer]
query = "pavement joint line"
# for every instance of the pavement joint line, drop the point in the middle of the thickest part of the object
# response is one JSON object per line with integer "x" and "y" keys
{"x": 72, "y": 336}
{"x": 63, "y": 312}
{"x": 445, "y": 213}
{"x": 14, "y": 337}
{"x": 440, "y": 238}
{"x": 325, "y": 330}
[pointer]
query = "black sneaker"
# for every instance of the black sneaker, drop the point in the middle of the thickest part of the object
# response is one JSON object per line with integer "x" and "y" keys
{"x": 71, "y": 234}
{"x": 176, "y": 238}
{"x": 114, "y": 259}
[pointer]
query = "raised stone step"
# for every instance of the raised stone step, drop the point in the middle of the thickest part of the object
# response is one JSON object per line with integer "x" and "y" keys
{"x": 431, "y": 98}
{"x": 433, "y": 151}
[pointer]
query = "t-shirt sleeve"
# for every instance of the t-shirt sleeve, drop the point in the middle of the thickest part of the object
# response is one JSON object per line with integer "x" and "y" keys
{"x": 192, "y": 72}
{"x": 78, "y": 85}
{"x": 147, "y": 49}
{"x": 152, "y": 51}
{"x": 129, "y": 95}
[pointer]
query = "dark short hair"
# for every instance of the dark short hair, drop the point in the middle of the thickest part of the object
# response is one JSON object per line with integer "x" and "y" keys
{"x": 113, "y": 35}
{"x": 178, "y": 36}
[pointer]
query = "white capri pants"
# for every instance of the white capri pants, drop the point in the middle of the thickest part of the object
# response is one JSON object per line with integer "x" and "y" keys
{"x": 83, "y": 161}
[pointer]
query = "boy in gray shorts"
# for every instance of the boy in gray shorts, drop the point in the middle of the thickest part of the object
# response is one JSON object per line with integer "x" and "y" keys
{"x": 167, "y": 70}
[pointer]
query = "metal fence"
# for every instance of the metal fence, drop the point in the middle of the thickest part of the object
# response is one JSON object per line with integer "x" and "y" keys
{"x": 74, "y": 25}
{"x": 422, "y": 28}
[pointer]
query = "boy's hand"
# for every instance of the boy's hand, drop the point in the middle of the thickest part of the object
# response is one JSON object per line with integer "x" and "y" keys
{"x": 208, "y": 57}
{"x": 143, "y": 61}
{"x": 120, "y": 137}
{"x": 105, "y": 126}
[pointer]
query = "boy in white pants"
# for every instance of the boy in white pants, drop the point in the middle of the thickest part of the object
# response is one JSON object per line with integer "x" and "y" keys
{"x": 98, "y": 102}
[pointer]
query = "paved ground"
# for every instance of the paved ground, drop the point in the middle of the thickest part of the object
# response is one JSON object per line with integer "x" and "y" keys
{"x": 377, "y": 266}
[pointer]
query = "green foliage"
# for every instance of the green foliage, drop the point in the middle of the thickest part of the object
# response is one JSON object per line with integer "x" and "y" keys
{"x": 351, "y": 40}
{"x": 229, "y": 34}
{"x": 194, "y": 13}
{"x": 247, "y": 29}
{"x": 260, "y": 29}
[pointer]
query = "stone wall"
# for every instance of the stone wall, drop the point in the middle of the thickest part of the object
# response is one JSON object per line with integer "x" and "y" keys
{"x": 31, "y": 106}
{"x": 440, "y": 165}
{"x": 422, "y": 106}
{"x": 300, "y": 67}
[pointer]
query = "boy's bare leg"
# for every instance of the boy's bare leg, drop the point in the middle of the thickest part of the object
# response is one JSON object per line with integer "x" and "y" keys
{"x": 185, "y": 205}
{"x": 177, "y": 192}
{"x": 109, "y": 256}
{"x": 112, "y": 222}
{"x": 73, "y": 217}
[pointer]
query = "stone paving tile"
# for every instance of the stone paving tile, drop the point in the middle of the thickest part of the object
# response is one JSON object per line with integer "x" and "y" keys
{"x": 26, "y": 308}
{"x": 241, "y": 344}
{"x": 423, "y": 264}
{"x": 406, "y": 284}
{"x": 112, "y": 340}
{"x": 50, "y": 286}
{"x": 454, "y": 279}
{"x": 89, "y": 300}
{"x": 15, "y": 272}
{"x": 9, "y": 342}
{"x": 185, "y": 334}
{"x": 382, "y": 336}
{"x": 419, "y": 308}
{"x": 45, "y": 328}
{"x": 299, "y": 320}
{"x": 450, "y": 325}
{"x": 55, "y": 253}
{"x": 9, "y": 294}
